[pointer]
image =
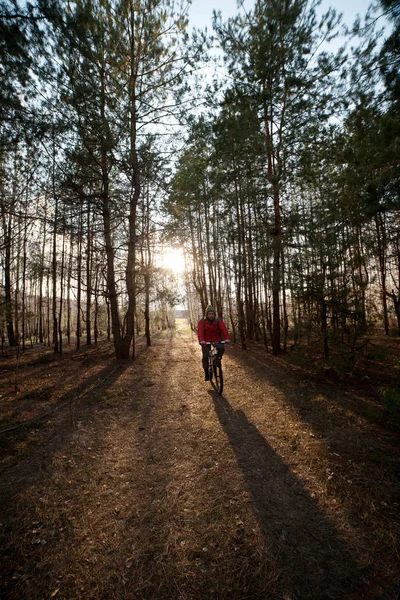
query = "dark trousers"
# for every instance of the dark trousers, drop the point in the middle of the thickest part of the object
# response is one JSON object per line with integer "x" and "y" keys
{"x": 206, "y": 352}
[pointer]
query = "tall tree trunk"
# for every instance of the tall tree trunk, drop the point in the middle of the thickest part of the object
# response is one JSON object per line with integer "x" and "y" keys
{"x": 324, "y": 327}
{"x": 16, "y": 285}
{"x": 276, "y": 272}
{"x": 225, "y": 259}
{"x": 148, "y": 263}
{"x": 48, "y": 307}
{"x": 60, "y": 311}
{"x": 238, "y": 266}
{"x": 285, "y": 315}
{"x": 108, "y": 319}
{"x": 88, "y": 277}
{"x": 79, "y": 281}
{"x": 96, "y": 306}
{"x": 396, "y": 297}
{"x": 381, "y": 238}
{"x": 69, "y": 279}
{"x": 7, "y": 228}
{"x": 54, "y": 278}
{"x": 24, "y": 261}
{"x": 41, "y": 274}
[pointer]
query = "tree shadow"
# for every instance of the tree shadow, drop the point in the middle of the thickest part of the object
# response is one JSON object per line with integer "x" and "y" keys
{"x": 35, "y": 465}
{"x": 349, "y": 425}
{"x": 313, "y": 560}
{"x": 24, "y": 466}
{"x": 287, "y": 377}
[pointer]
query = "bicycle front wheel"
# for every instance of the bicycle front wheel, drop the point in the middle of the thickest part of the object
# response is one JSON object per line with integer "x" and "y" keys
{"x": 219, "y": 379}
{"x": 210, "y": 367}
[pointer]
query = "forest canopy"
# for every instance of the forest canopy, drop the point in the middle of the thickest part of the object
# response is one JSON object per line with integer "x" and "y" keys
{"x": 278, "y": 176}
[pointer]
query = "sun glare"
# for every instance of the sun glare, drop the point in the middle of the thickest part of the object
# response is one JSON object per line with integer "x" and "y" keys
{"x": 173, "y": 259}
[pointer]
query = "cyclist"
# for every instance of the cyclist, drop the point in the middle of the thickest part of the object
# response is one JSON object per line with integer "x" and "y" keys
{"x": 211, "y": 329}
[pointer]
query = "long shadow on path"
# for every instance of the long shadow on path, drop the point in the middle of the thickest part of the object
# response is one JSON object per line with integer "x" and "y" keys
{"x": 313, "y": 561}
{"x": 297, "y": 385}
{"x": 17, "y": 476}
{"x": 37, "y": 469}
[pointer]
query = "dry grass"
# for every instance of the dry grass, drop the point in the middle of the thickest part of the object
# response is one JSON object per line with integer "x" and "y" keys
{"x": 154, "y": 487}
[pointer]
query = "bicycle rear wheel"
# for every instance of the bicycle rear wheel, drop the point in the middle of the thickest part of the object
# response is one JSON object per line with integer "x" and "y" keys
{"x": 219, "y": 379}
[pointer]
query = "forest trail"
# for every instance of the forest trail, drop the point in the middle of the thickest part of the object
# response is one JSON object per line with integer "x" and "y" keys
{"x": 283, "y": 488}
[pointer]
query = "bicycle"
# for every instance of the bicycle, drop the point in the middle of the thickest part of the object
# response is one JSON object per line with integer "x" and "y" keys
{"x": 215, "y": 366}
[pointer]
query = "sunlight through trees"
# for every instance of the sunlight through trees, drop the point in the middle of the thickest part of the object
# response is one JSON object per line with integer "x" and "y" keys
{"x": 279, "y": 180}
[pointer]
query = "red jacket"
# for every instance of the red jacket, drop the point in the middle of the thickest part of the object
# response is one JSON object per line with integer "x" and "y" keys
{"x": 212, "y": 331}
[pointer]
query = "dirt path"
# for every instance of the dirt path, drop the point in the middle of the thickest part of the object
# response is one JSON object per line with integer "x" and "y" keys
{"x": 283, "y": 488}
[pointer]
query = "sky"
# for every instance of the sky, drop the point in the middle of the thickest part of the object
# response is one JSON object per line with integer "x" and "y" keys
{"x": 200, "y": 13}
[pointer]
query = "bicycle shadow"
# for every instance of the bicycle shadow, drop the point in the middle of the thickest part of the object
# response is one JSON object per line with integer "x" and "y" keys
{"x": 314, "y": 561}
{"x": 215, "y": 388}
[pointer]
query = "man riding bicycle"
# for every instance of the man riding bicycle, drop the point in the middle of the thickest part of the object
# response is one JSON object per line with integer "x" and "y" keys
{"x": 211, "y": 329}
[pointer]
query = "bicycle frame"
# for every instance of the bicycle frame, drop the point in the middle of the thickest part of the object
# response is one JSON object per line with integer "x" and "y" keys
{"x": 215, "y": 367}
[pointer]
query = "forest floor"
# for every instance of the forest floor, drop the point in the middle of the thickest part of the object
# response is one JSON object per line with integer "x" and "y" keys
{"x": 143, "y": 483}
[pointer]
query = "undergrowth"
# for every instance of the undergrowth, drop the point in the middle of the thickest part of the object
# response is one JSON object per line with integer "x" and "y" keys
{"x": 391, "y": 401}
